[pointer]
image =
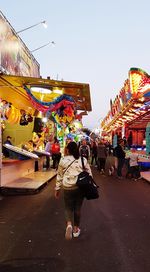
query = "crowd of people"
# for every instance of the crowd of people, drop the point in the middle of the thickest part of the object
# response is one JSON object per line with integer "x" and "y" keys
{"x": 120, "y": 161}
{"x": 99, "y": 153}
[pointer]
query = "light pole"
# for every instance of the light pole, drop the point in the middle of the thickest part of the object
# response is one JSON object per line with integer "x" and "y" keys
{"x": 40, "y": 23}
{"x": 52, "y": 43}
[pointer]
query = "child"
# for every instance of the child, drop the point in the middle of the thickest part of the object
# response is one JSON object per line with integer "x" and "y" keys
{"x": 133, "y": 165}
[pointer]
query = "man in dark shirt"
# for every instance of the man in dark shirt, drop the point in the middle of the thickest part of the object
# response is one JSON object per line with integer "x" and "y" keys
{"x": 6, "y": 152}
{"x": 84, "y": 149}
{"x": 120, "y": 154}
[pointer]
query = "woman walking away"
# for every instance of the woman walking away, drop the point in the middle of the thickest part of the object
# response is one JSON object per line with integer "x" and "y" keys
{"x": 68, "y": 170}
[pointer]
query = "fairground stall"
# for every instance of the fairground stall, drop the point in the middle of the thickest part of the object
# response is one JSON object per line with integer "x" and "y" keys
{"x": 129, "y": 115}
{"x": 22, "y": 100}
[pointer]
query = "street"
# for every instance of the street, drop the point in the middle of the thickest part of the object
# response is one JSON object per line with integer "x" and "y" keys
{"x": 115, "y": 231}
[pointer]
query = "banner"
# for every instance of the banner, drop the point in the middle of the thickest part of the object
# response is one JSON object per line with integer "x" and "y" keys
{"x": 15, "y": 58}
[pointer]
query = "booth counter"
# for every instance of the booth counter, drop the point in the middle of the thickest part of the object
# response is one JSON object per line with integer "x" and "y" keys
{"x": 14, "y": 169}
{"x": 23, "y": 166}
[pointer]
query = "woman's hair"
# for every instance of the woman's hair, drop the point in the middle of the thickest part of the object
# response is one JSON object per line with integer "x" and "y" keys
{"x": 73, "y": 150}
{"x": 56, "y": 140}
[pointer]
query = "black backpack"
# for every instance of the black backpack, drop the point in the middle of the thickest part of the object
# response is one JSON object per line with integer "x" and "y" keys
{"x": 87, "y": 185}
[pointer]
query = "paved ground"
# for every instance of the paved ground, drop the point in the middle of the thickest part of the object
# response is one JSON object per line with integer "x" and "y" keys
{"x": 115, "y": 231}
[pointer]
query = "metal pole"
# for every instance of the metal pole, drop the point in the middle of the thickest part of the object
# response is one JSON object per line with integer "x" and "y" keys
{"x": 53, "y": 43}
{"x": 44, "y": 22}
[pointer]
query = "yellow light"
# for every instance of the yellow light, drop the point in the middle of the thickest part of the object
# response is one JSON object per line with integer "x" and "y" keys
{"x": 135, "y": 81}
{"x": 44, "y": 119}
{"x": 57, "y": 91}
{"x": 77, "y": 124}
{"x": 41, "y": 90}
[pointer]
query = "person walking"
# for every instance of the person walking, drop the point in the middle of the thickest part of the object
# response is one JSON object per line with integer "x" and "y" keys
{"x": 69, "y": 168}
{"x": 7, "y": 153}
{"x": 101, "y": 156}
{"x": 110, "y": 162}
{"x": 94, "y": 153}
{"x": 84, "y": 149}
{"x": 120, "y": 155}
{"x": 56, "y": 154}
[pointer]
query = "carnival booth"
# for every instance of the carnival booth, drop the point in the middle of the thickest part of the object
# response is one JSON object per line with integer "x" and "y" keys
{"x": 22, "y": 100}
{"x": 129, "y": 114}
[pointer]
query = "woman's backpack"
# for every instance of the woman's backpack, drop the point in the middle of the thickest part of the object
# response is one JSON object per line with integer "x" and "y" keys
{"x": 87, "y": 185}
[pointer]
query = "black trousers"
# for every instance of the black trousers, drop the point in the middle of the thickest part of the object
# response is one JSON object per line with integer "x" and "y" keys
{"x": 121, "y": 162}
{"x": 56, "y": 158}
{"x": 47, "y": 162}
{"x": 94, "y": 157}
{"x": 101, "y": 163}
{"x": 134, "y": 171}
{"x": 73, "y": 200}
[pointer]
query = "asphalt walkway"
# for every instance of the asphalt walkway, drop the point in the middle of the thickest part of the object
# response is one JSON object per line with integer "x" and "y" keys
{"x": 115, "y": 233}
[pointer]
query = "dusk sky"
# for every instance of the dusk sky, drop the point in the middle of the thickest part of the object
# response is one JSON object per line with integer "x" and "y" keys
{"x": 97, "y": 42}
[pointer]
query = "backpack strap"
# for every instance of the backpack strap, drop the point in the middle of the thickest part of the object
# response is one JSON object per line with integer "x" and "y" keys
{"x": 82, "y": 160}
{"x": 68, "y": 166}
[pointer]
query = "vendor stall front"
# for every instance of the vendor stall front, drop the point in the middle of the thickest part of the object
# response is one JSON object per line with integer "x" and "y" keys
{"x": 129, "y": 113}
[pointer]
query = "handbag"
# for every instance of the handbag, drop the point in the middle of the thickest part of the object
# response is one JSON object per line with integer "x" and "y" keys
{"x": 87, "y": 185}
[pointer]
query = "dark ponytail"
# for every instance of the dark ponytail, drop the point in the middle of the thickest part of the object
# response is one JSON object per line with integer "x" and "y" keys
{"x": 73, "y": 150}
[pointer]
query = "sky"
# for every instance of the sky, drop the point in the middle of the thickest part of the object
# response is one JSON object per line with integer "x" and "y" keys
{"x": 97, "y": 42}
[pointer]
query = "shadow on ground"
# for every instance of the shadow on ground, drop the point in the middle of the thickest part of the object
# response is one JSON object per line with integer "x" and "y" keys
{"x": 32, "y": 265}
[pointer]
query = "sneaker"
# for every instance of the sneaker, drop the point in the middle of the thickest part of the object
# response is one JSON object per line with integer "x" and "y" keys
{"x": 139, "y": 177}
{"x": 109, "y": 172}
{"x": 68, "y": 234}
{"x": 120, "y": 177}
{"x": 76, "y": 234}
{"x": 112, "y": 169}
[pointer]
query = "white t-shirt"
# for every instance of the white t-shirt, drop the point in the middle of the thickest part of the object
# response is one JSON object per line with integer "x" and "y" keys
{"x": 133, "y": 159}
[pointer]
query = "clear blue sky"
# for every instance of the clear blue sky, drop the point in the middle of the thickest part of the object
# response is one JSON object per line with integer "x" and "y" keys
{"x": 97, "y": 42}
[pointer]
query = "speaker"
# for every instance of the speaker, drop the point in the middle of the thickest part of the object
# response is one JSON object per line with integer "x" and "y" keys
{"x": 38, "y": 125}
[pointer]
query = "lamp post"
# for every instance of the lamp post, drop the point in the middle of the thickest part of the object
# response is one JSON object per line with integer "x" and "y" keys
{"x": 40, "y": 23}
{"x": 52, "y": 43}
